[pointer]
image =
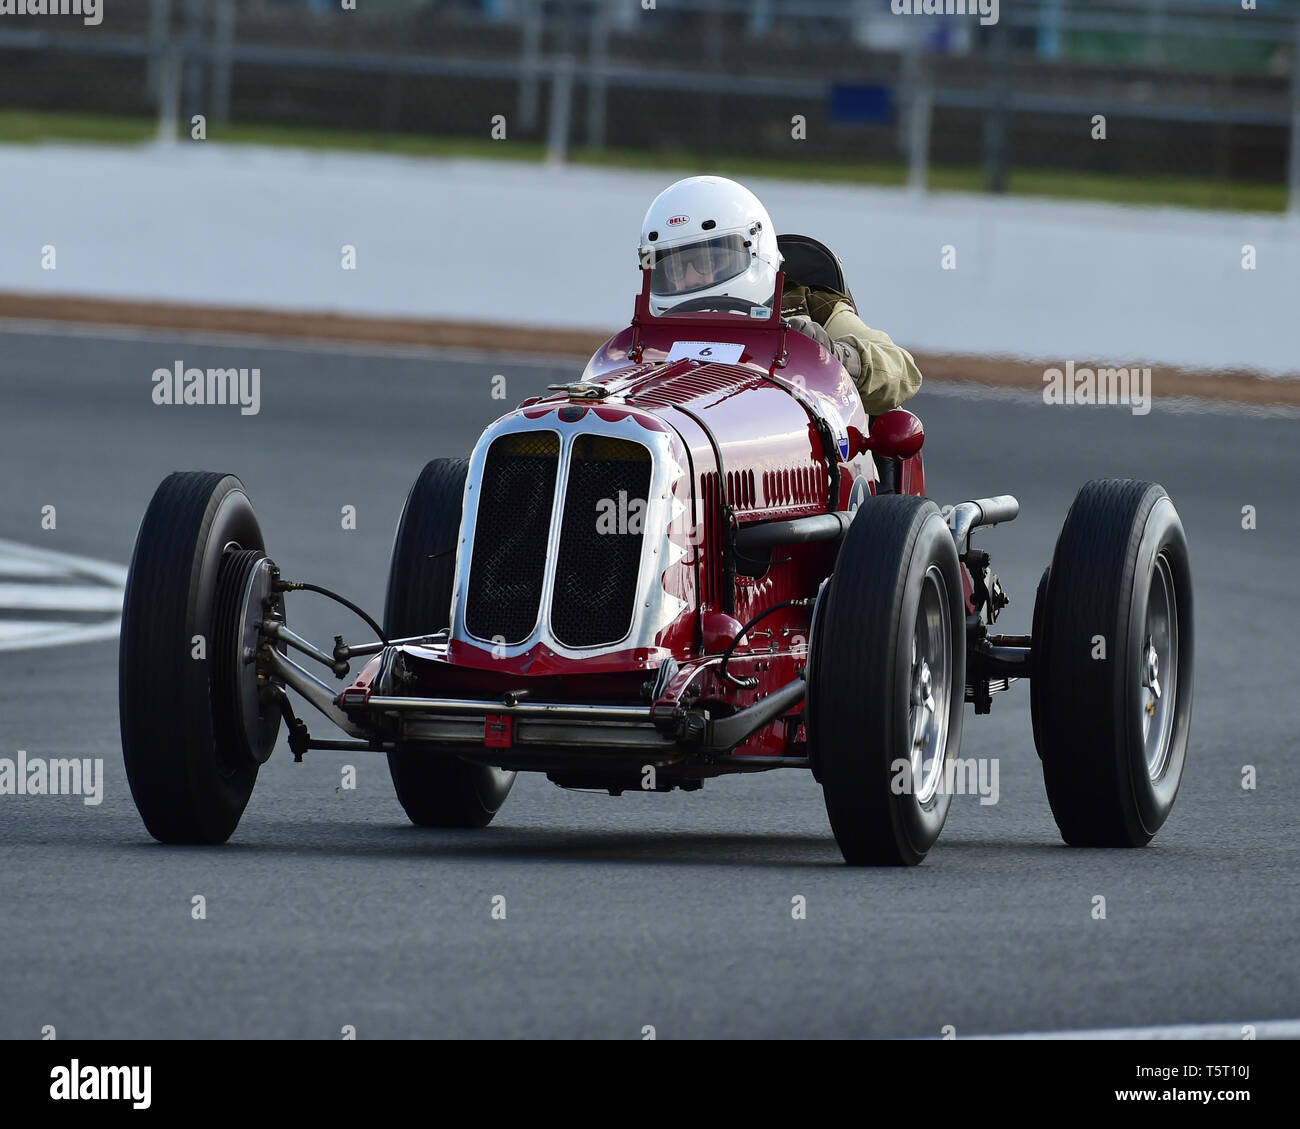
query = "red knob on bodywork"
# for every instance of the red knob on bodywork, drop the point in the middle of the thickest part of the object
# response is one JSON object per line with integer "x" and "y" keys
{"x": 897, "y": 434}
{"x": 718, "y": 629}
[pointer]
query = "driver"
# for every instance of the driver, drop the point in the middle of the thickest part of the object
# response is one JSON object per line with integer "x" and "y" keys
{"x": 707, "y": 237}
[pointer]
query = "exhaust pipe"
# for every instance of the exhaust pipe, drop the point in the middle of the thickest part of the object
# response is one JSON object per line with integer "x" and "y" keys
{"x": 797, "y": 531}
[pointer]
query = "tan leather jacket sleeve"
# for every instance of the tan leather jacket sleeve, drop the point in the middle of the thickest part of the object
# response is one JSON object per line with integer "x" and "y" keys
{"x": 889, "y": 374}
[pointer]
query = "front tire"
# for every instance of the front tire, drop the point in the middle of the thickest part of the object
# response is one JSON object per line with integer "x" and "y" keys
{"x": 435, "y": 790}
{"x": 1111, "y": 692}
{"x": 887, "y": 682}
{"x": 191, "y": 757}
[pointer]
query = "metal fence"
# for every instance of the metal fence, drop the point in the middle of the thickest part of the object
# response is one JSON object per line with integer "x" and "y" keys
{"x": 1210, "y": 75}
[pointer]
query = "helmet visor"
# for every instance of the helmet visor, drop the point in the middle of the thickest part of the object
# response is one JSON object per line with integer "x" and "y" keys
{"x": 698, "y": 266}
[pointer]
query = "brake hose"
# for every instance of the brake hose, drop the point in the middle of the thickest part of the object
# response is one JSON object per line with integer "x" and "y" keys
{"x": 300, "y": 586}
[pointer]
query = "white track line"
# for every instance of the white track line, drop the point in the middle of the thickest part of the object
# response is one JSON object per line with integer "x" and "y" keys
{"x": 1263, "y": 1029}
{"x": 59, "y": 598}
{"x": 28, "y": 635}
{"x": 70, "y": 563}
{"x": 14, "y": 567}
{"x": 33, "y": 579}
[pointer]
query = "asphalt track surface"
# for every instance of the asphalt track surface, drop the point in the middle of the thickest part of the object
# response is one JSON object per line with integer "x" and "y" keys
{"x": 327, "y": 909}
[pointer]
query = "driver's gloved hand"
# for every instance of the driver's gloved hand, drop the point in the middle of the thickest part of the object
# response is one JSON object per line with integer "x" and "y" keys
{"x": 844, "y": 353}
{"x": 810, "y": 328}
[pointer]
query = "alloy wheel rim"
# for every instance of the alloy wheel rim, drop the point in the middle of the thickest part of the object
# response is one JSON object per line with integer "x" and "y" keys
{"x": 929, "y": 697}
{"x": 1159, "y": 669}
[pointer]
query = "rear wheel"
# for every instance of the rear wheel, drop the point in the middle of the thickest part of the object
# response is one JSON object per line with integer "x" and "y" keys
{"x": 1111, "y": 693}
{"x": 887, "y": 682}
{"x": 435, "y": 790}
{"x": 196, "y": 722}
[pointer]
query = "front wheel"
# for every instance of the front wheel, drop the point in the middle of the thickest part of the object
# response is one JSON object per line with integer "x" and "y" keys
{"x": 435, "y": 790}
{"x": 887, "y": 681}
{"x": 1111, "y": 692}
{"x": 197, "y": 720}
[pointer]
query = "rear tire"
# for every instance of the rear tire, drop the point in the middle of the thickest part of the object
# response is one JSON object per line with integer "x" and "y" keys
{"x": 1111, "y": 726}
{"x": 435, "y": 790}
{"x": 190, "y": 769}
{"x": 887, "y": 682}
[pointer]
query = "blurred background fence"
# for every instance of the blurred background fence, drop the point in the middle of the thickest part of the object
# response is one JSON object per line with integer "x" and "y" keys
{"x": 1206, "y": 90}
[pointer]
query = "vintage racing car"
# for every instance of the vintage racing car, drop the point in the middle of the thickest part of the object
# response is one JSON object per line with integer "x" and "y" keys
{"x": 699, "y": 558}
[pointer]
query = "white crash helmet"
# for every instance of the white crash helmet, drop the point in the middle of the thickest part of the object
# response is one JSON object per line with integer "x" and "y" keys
{"x": 707, "y": 236}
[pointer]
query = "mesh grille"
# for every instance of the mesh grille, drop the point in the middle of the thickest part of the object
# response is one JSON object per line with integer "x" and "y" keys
{"x": 510, "y": 534}
{"x": 600, "y": 541}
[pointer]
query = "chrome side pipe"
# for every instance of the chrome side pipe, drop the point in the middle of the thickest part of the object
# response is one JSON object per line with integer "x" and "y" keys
{"x": 967, "y": 516}
{"x": 961, "y": 518}
{"x": 796, "y": 531}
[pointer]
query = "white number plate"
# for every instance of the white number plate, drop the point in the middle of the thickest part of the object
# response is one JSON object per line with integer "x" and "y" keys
{"x": 720, "y": 352}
